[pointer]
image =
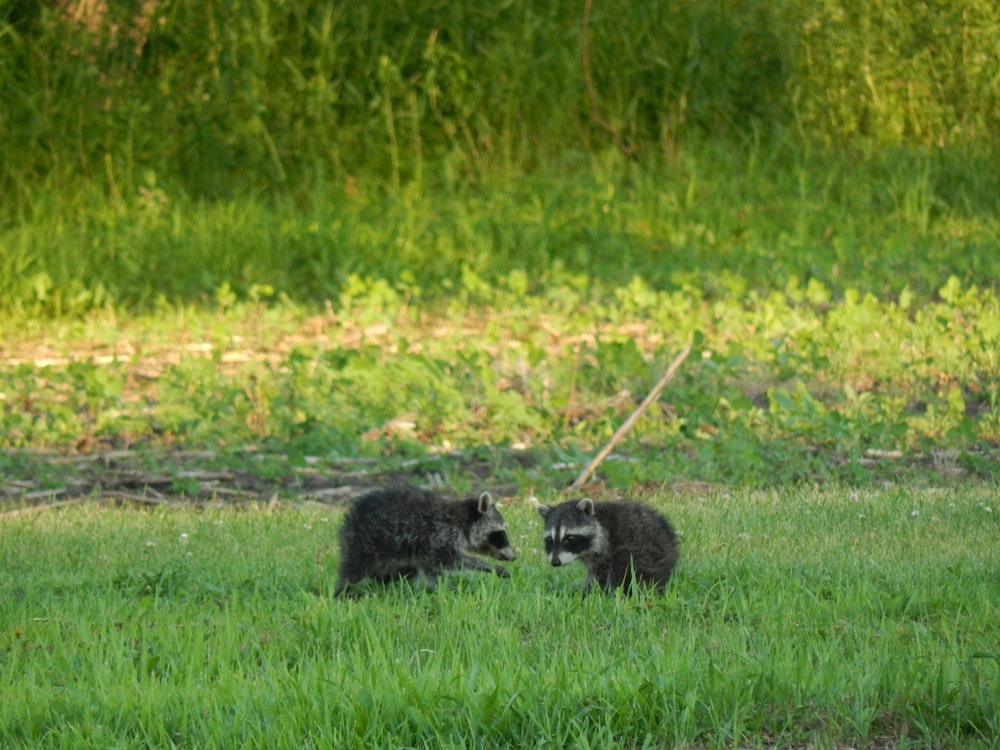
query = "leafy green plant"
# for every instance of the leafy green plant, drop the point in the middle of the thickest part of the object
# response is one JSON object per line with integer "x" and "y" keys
{"x": 781, "y": 388}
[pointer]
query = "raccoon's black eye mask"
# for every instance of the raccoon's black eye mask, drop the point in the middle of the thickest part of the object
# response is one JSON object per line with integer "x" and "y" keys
{"x": 576, "y": 543}
{"x": 498, "y": 539}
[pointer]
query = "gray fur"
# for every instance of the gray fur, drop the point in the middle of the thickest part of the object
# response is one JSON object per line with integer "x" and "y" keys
{"x": 612, "y": 540}
{"x": 407, "y": 532}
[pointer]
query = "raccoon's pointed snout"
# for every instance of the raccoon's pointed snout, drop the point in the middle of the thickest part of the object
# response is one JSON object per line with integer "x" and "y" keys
{"x": 556, "y": 562}
{"x": 498, "y": 546}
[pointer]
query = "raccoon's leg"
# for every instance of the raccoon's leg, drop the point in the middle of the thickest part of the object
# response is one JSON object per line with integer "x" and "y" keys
{"x": 350, "y": 573}
{"x": 345, "y": 587}
{"x": 429, "y": 576}
{"x": 343, "y": 584}
{"x": 604, "y": 576}
{"x": 468, "y": 562}
{"x": 402, "y": 574}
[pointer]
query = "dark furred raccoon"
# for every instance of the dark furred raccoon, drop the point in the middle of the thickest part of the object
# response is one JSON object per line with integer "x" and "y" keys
{"x": 612, "y": 540}
{"x": 406, "y": 532}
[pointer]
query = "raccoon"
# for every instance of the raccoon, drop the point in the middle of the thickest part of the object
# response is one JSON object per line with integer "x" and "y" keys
{"x": 407, "y": 532}
{"x": 613, "y": 540}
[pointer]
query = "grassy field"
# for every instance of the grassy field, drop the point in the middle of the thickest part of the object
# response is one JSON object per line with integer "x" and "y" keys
{"x": 256, "y": 257}
{"x": 792, "y": 385}
{"x": 815, "y": 617}
{"x": 721, "y": 220}
{"x": 828, "y": 453}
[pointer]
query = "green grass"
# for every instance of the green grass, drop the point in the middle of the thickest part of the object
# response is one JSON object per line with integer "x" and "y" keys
{"x": 789, "y": 386}
{"x": 266, "y": 98}
{"x": 722, "y": 220}
{"x": 809, "y": 617}
{"x": 292, "y": 252}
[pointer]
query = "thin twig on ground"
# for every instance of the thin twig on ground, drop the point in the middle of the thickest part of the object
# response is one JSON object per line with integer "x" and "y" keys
{"x": 628, "y": 423}
{"x": 43, "y": 507}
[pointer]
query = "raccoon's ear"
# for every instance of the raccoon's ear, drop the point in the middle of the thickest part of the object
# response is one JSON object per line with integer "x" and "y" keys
{"x": 485, "y": 503}
{"x": 586, "y": 505}
{"x": 543, "y": 510}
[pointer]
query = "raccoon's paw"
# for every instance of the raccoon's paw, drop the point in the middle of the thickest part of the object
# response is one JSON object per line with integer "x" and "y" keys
{"x": 346, "y": 592}
{"x": 501, "y": 571}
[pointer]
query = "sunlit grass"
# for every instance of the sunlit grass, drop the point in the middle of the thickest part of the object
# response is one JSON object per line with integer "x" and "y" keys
{"x": 788, "y": 386}
{"x": 201, "y": 271}
{"x": 832, "y": 616}
{"x": 725, "y": 220}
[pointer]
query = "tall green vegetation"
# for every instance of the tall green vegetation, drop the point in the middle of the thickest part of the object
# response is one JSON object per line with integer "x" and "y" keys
{"x": 716, "y": 224}
{"x": 249, "y": 96}
{"x": 170, "y": 149}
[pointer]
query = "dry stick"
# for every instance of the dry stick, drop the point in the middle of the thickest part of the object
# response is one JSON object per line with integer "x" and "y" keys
{"x": 572, "y": 390}
{"x": 43, "y": 507}
{"x": 627, "y": 425}
{"x": 135, "y": 498}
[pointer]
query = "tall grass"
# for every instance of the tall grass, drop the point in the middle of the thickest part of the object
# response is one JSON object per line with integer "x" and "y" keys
{"x": 166, "y": 152}
{"x": 718, "y": 220}
{"x": 258, "y": 96}
{"x": 810, "y": 617}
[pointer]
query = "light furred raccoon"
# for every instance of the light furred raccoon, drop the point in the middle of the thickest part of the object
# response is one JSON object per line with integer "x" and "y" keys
{"x": 612, "y": 540}
{"x": 407, "y": 532}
